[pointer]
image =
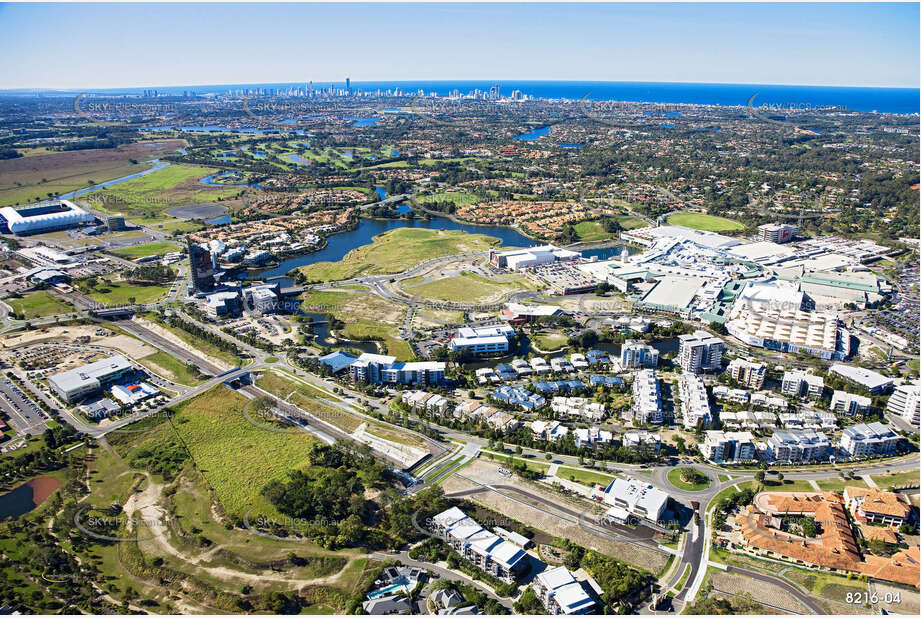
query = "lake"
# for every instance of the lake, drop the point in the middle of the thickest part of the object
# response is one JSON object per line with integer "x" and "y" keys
{"x": 21, "y": 500}
{"x": 340, "y": 244}
{"x": 534, "y": 135}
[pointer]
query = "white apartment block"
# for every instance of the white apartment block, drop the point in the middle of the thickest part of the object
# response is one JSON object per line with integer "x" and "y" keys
{"x": 798, "y": 446}
{"x": 695, "y": 408}
{"x": 869, "y": 440}
{"x": 849, "y": 403}
{"x": 590, "y": 436}
{"x": 638, "y": 355}
{"x": 801, "y": 384}
{"x": 562, "y": 594}
{"x": 905, "y": 401}
{"x": 637, "y": 439}
{"x": 647, "y": 398}
{"x": 728, "y": 446}
{"x": 747, "y": 373}
{"x": 809, "y": 420}
{"x": 578, "y": 406}
{"x": 700, "y": 352}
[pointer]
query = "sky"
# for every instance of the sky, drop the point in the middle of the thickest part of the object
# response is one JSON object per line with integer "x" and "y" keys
{"x": 78, "y": 46}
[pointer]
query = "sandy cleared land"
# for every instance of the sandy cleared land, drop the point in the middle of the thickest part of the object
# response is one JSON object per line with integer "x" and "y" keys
{"x": 129, "y": 346}
{"x": 762, "y": 592}
{"x": 536, "y": 516}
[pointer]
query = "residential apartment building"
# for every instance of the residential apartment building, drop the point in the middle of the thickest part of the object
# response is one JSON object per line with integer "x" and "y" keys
{"x": 482, "y": 548}
{"x": 798, "y": 446}
{"x": 642, "y": 439}
{"x": 905, "y": 401}
{"x": 637, "y": 355}
{"x": 647, "y": 398}
{"x": 590, "y": 436}
{"x": 869, "y": 440}
{"x": 578, "y": 406}
{"x": 728, "y": 446}
{"x": 849, "y": 404}
{"x": 561, "y": 592}
{"x": 383, "y": 369}
{"x": 695, "y": 407}
{"x": 801, "y": 384}
{"x": 747, "y": 373}
{"x": 877, "y": 506}
{"x": 700, "y": 352}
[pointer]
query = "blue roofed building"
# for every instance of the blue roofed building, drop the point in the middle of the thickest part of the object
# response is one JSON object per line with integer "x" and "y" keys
{"x": 338, "y": 360}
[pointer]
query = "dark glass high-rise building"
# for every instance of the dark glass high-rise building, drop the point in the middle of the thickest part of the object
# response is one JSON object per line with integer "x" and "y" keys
{"x": 200, "y": 267}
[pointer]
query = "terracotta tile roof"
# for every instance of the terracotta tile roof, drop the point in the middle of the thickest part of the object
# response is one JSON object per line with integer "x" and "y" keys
{"x": 878, "y": 533}
{"x": 834, "y": 548}
{"x": 879, "y": 501}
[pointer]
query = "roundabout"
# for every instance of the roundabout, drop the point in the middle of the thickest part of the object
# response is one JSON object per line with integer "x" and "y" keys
{"x": 688, "y": 479}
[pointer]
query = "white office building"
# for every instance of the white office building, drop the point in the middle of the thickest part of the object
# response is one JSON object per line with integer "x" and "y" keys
{"x": 483, "y": 339}
{"x": 518, "y": 259}
{"x": 88, "y": 379}
{"x": 874, "y": 382}
{"x": 638, "y": 498}
{"x": 383, "y": 369}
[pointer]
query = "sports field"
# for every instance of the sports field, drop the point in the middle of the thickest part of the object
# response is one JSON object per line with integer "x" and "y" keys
{"x": 112, "y": 293}
{"x": 39, "y": 304}
{"x": 706, "y": 223}
{"x": 398, "y": 250}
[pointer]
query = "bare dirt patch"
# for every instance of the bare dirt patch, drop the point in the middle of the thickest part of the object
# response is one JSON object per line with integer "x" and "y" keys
{"x": 762, "y": 592}
{"x": 131, "y": 347}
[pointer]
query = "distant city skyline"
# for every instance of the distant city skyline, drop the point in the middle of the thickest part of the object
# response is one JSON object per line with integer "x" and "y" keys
{"x": 94, "y": 46}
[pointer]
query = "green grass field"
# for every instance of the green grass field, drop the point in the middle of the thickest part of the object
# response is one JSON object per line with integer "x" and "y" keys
{"x": 39, "y": 304}
{"x": 586, "y": 477}
{"x": 152, "y": 248}
{"x": 213, "y": 427}
{"x": 171, "y": 368}
{"x": 122, "y": 293}
{"x": 898, "y": 479}
{"x": 397, "y": 250}
{"x": 148, "y": 197}
{"x": 839, "y": 484}
{"x": 549, "y": 341}
{"x": 631, "y": 223}
{"x": 590, "y": 231}
{"x": 363, "y": 329}
{"x": 468, "y": 287}
{"x": 674, "y": 477}
{"x": 915, "y": 365}
{"x": 707, "y": 223}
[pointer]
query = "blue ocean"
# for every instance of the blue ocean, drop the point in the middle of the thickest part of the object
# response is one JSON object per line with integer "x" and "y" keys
{"x": 882, "y": 100}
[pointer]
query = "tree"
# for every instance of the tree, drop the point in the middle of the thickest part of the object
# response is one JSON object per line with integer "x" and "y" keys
{"x": 759, "y": 476}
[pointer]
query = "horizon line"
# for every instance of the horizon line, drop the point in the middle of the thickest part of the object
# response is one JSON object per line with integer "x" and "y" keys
{"x": 421, "y": 81}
